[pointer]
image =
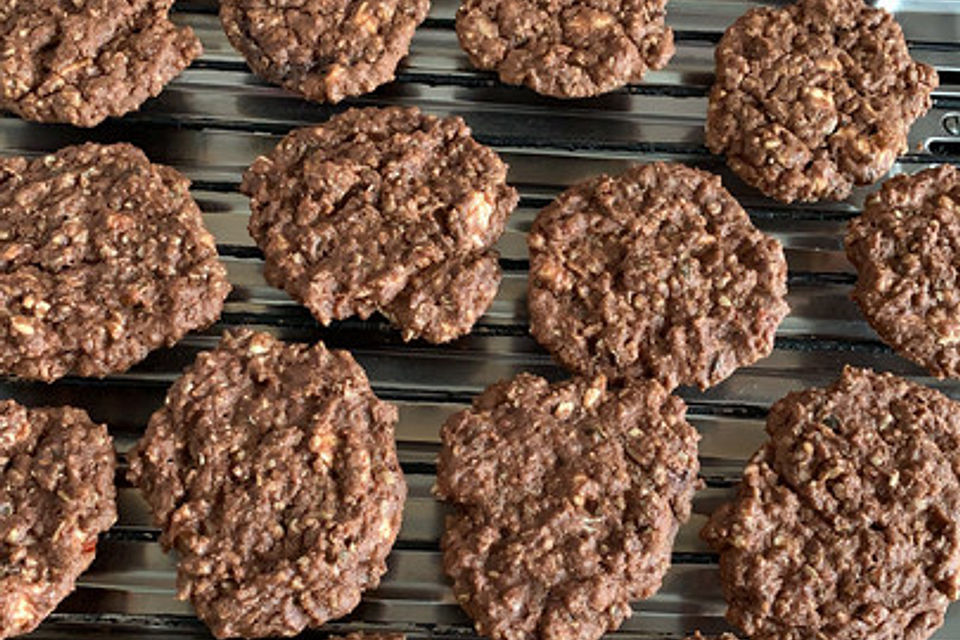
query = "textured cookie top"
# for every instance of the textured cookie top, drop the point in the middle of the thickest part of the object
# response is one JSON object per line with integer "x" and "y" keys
{"x": 56, "y": 497}
{"x": 845, "y": 523}
{"x": 566, "y": 48}
{"x": 906, "y": 248}
{"x": 103, "y": 257}
{"x": 813, "y": 98}
{"x": 79, "y": 61}
{"x": 272, "y": 471}
{"x": 383, "y": 210}
{"x": 325, "y": 50}
{"x": 656, "y": 273}
{"x": 568, "y": 497}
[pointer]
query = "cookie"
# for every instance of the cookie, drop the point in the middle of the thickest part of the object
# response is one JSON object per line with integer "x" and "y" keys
{"x": 722, "y": 636}
{"x": 571, "y": 49}
{"x": 845, "y": 525}
{"x": 383, "y": 210}
{"x": 103, "y": 258}
{"x": 657, "y": 272}
{"x": 815, "y": 97}
{"x": 325, "y": 50}
{"x": 273, "y": 473}
{"x": 80, "y": 61}
{"x": 56, "y": 497}
{"x": 906, "y": 248}
{"x": 567, "y": 499}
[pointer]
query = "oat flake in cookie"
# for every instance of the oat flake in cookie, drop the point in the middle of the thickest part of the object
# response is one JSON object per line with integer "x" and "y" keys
{"x": 79, "y": 61}
{"x": 845, "y": 522}
{"x": 567, "y": 499}
{"x": 566, "y": 49}
{"x": 906, "y": 248}
{"x": 814, "y": 98}
{"x": 657, "y": 272}
{"x": 325, "y": 50}
{"x": 273, "y": 473}
{"x": 56, "y": 497}
{"x": 383, "y": 210}
{"x": 103, "y": 258}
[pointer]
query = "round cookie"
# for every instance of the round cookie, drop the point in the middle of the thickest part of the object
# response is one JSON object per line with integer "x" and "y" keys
{"x": 568, "y": 497}
{"x": 815, "y": 97}
{"x": 906, "y": 248}
{"x": 56, "y": 497}
{"x": 567, "y": 49}
{"x": 118, "y": 54}
{"x": 845, "y": 525}
{"x": 723, "y": 636}
{"x": 272, "y": 471}
{"x": 325, "y": 50}
{"x": 655, "y": 273}
{"x": 103, "y": 257}
{"x": 383, "y": 210}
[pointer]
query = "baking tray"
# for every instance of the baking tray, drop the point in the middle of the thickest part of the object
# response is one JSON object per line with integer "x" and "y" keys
{"x": 216, "y": 118}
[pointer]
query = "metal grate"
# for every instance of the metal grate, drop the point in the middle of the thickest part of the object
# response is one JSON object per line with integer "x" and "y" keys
{"x": 216, "y": 118}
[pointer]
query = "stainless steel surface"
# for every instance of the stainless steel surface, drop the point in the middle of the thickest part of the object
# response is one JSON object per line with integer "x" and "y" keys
{"x": 216, "y": 118}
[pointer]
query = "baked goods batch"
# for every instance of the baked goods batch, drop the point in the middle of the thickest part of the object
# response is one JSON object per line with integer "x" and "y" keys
{"x": 272, "y": 468}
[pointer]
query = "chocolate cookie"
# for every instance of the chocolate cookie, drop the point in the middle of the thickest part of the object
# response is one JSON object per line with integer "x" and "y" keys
{"x": 273, "y": 472}
{"x": 815, "y": 97}
{"x": 56, "y": 497}
{"x": 656, "y": 273}
{"x": 325, "y": 50}
{"x": 723, "y": 636}
{"x": 568, "y": 497}
{"x": 383, "y": 210}
{"x": 81, "y": 61}
{"x": 845, "y": 525}
{"x": 569, "y": 49}
{"x": 103, "y": 257}
{"x": 906, "y": 248}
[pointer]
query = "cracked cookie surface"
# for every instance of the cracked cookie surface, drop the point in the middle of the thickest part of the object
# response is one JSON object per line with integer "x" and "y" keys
{"x": 566, "y": 48}
{"x": 845, "y": 524}
{"x": 814, "y": 98}
{"x": 80, "y": 61}
{"x": 657, "y": 272}
{"x": 383, "y": 210}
